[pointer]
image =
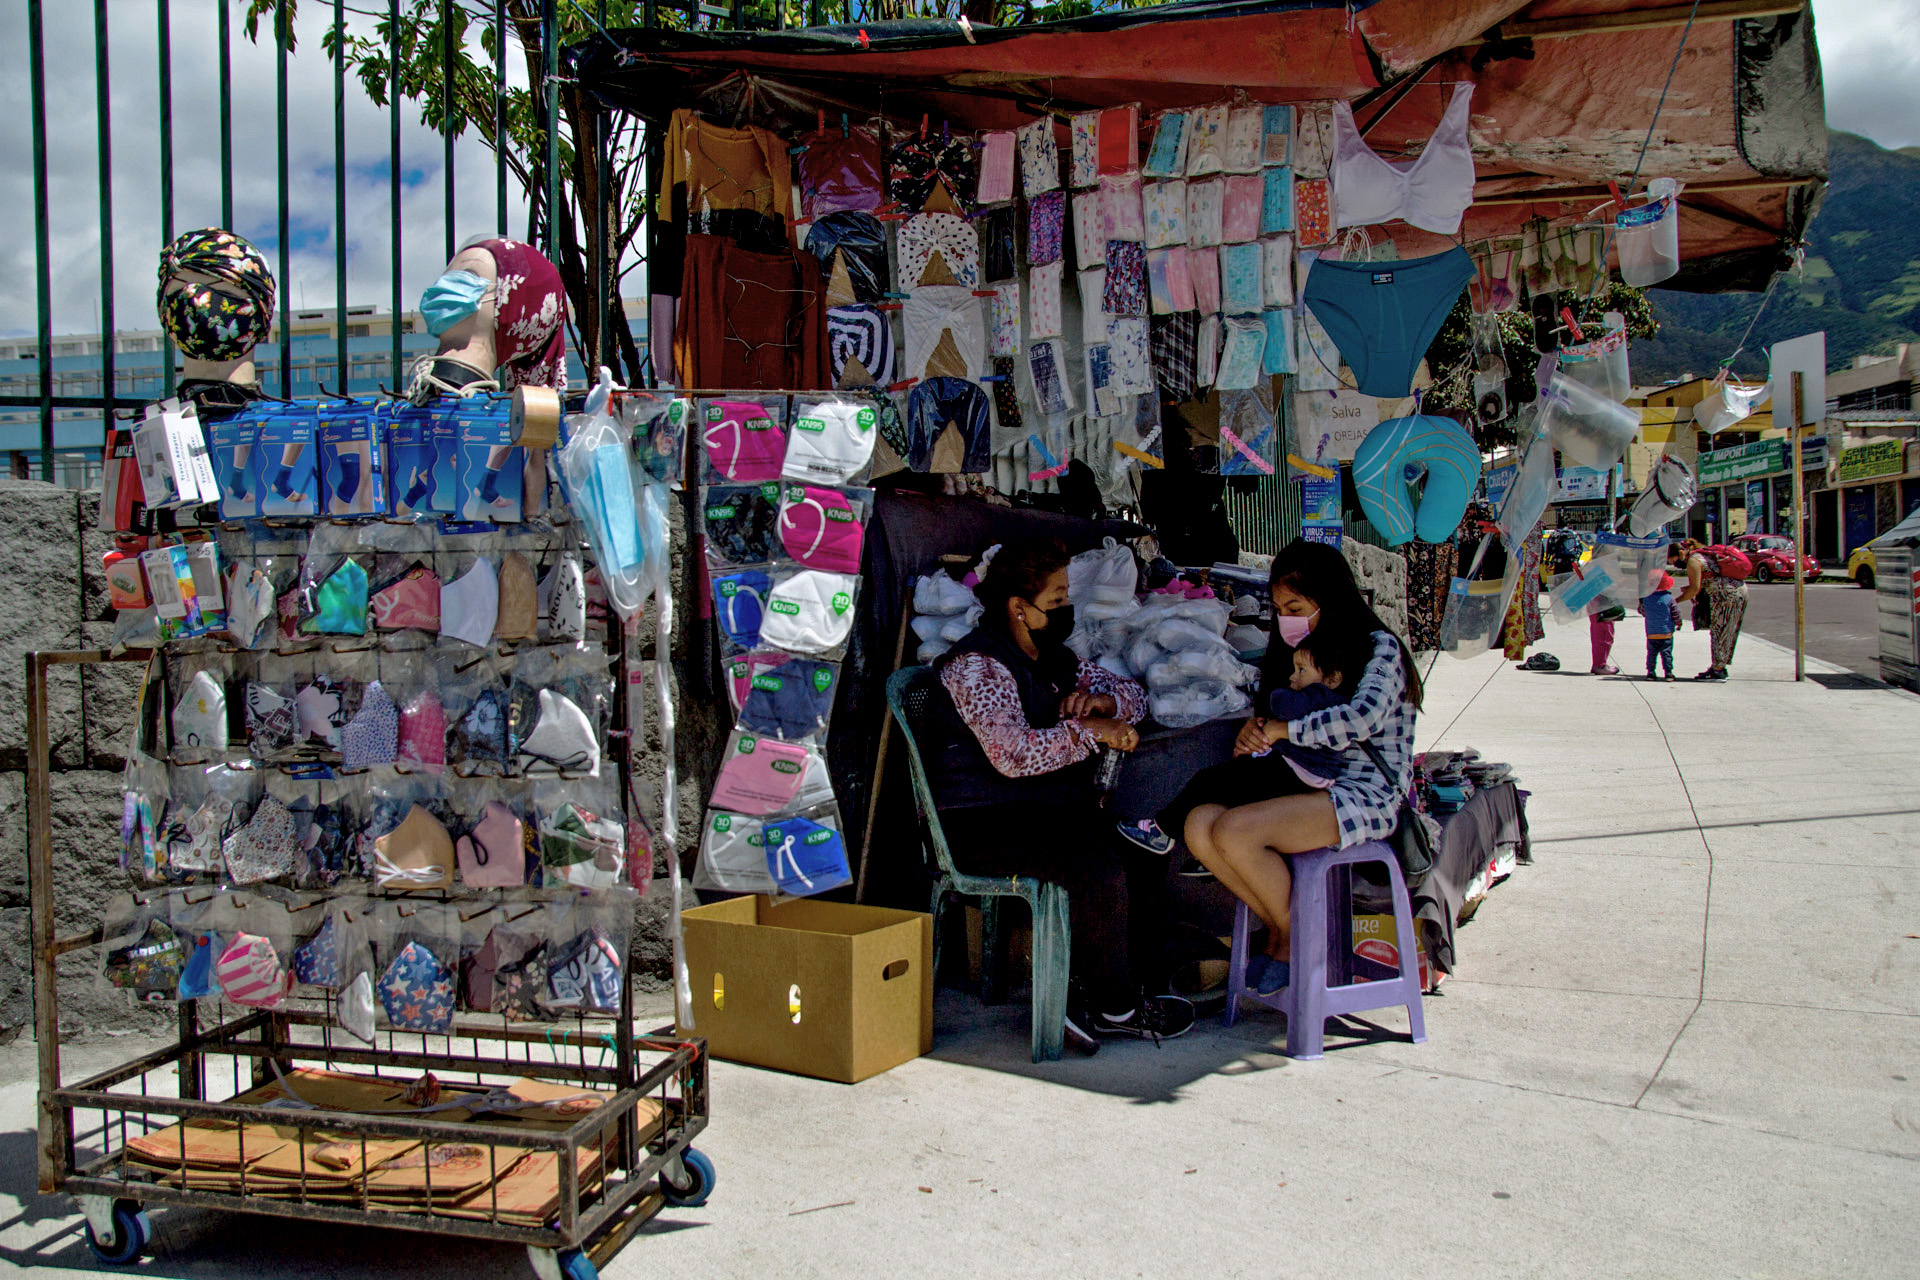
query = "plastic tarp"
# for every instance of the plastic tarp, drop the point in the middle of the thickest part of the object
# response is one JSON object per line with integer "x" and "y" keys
{"x": 1566, "y": 92}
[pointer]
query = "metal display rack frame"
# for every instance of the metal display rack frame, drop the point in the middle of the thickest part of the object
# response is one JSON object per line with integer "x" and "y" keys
{"x": 640, "y": 1167}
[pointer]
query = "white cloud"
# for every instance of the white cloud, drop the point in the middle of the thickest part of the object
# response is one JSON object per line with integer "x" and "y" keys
{"x": 73, "y": 165}
{"x": 1872, "y": 67}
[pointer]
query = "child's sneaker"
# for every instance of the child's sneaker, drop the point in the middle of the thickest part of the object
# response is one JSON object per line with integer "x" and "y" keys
{"x": 1147, "y": 834}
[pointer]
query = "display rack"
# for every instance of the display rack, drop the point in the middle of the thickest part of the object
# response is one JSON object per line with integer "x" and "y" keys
{"x": 630, "y": 1153}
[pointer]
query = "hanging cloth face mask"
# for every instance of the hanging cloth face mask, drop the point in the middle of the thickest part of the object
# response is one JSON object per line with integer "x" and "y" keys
{"x": 470, "y": 604}
{"x": 790, "y": 701}
{"x": 249, "y": 973}
{"x": 818, "y": 528}
{"x": 563, "y": 599}
{"x": 811, "y": 612}
{"x": 493, "y": 854}
{"x": 338, "y": 606}
{"x": 417, "y": 991}
{"x": 585, "y": 974}
{"x": 451, "y": 299}
{"x": 200, "y": 717}
{"x": 759, "y": 776}
{"x": 829, "y": 443}
{"x": 422, "y": 740}
{"x": 318, "y": 962}
{"x": 504, "y": 946}
{"x": 518, "y": 617}
{"x": 520, "y": 987}
{"x": 373, "y": 735}
{"x": 481, "y": 736}
{"x": 738, "y": 602}
{"x": 321, "y": 706}
{"x": 581, "y": 848}
{"x": 354, "y": 1008}
{"x": 409, "y": 602}
{"x": 805, "y": 857}
{"x": 193, "y": 844}
{"x": 416, "y": 855}
{"x": 251, "y": 605}
{"x": 273, "y": 722}
{"x": 562, "y": 741}
{"x": 265, "y": 848}
{"x": 150, "y": 965}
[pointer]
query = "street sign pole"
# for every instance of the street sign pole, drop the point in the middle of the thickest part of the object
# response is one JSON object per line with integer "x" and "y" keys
{"x": 1799, "y": 534}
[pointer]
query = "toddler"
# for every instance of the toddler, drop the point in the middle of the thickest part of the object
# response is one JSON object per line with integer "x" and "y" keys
{"x": 1657, "y": 608}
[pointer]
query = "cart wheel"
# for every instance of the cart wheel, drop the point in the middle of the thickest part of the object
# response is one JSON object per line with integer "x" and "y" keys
{"x": 699, "y": 1185}
{"x": 132, "y": 1230}
{"x": 576, "y": 1265}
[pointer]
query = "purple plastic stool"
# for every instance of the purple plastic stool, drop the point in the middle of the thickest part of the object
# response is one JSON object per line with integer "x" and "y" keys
{"x": 1320, "y": 920}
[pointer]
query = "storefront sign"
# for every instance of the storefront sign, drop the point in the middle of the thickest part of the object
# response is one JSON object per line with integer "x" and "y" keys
{"x": 1761, "y": 457}
{"x": 1873, "y": 459}
{"x": 1329, "y": 425}
{"x": 1499, "y": 480}
{"x": 1580, "y": 484}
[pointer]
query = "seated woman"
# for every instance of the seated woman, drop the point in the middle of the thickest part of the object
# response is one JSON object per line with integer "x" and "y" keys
{"x": 1241, "y": 817}
{"x": 1011, "y": 772}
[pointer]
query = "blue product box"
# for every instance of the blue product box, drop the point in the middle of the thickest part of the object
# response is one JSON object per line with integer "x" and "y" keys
{"x": 287, "y": 460}
{"x": 236, "y": 462}
{"x": 444, "y": 429}
{"x": 491, "y": 470}
{"x": 352, "y": 460}
{"x": 414, "y": 470}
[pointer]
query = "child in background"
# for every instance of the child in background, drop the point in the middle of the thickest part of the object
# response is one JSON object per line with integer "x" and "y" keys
{"x": 1657, "y": 609}
{"x": 1317, "y": 683}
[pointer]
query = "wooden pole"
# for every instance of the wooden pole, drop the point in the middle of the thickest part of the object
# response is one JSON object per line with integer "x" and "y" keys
{"x": 1799, "y": 536}
{"x": 880, "y": 764}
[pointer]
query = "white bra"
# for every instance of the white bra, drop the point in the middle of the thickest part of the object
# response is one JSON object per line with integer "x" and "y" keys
{"x": 1431, "y": 191}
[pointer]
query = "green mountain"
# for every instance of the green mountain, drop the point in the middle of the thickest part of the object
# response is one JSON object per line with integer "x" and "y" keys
{"x": 1860, "y": 281}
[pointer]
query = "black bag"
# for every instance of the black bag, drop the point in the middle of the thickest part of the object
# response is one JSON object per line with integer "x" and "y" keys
{"x": 1414, "y": 833}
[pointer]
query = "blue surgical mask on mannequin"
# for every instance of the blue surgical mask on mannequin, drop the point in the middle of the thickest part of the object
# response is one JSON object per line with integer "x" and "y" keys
{"x": 451, "y": 299}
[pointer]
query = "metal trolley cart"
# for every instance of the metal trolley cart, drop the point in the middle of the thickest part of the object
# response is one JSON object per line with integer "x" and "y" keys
{"x": 563, "y": 1139}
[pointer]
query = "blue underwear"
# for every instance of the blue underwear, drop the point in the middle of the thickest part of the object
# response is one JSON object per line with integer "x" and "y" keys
{"x": 932, "y": 404}
{"x": 1383, "y": 315}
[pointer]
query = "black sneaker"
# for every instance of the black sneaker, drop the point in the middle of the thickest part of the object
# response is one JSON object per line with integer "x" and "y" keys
{"x": 1154, "y": 1017}
{"x": 1194, "y": 869}
{"x": 1079, "y": 1039}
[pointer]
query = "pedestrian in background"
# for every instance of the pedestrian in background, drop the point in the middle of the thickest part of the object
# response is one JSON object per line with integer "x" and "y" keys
{"x": 1657, "y": 608}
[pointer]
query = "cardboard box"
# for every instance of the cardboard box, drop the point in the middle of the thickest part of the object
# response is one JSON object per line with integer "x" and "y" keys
{"x": 822, "y": 989}
{"x": 1376, "y": 938}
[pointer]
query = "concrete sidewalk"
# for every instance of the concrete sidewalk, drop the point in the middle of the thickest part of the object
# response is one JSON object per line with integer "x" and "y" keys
{"x": 1686, "y": 1042}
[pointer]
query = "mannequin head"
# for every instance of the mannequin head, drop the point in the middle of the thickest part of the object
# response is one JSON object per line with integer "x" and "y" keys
{"x": 517, "y": 321}
{"x": 216, "y": 302}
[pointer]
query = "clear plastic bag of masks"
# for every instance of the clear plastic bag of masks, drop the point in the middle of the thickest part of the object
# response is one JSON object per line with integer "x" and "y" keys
{"x": 658, "y": 421}
{"x": 762, "y": 775}
{"x": 1475, "y": 609}
{"x": 742, "y": 523}
{"x": 581, "y": 832}
{"x": 823, "y": 528}
{"x": 830, "y": 440}
{"x": 204, "y": 817}
{"x": 560, "y": 707}
{"x": 742, "y": 439}
{"x": 791, "y": 855}
{"x": 589, "y": 934}
{"x": 809, "y": 612}
{"x": 335, "y": 577}
{"x": 198, "y": 718}
{"x": 622, "y": 512}
{"x": 787, "y": 697}
{"x": 261, "y": 565}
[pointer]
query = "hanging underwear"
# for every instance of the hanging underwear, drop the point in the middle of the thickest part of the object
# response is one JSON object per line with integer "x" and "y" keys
{"x": 926, "y": 236}
{"x": 840, "y": 171}
{"x": 1431, "y": 191}
{"x": 938, "y": 404}
{"x": 1383, "y": 315}
{"x": 920, "y": 165}
{"x": 946, "y": 333}
{"x": 861, "y": 243}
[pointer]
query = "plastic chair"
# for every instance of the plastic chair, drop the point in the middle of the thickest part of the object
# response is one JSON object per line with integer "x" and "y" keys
{"x": 1322, "y": 985}
{"x": 910, "y": 690}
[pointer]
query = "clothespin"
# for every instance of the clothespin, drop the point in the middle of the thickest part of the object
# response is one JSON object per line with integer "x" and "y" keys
{"x": 864, "y": 42}
{"x": 923, "y": 128}
{"x": 844, "y": 131}
{"x": 1299, "y": 463}
{"x": 1573, "y": 326}
{"x": 819, "y": 119}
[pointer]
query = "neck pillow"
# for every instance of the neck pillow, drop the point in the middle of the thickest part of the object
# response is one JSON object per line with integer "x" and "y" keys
{"x": 1450, "y": 459}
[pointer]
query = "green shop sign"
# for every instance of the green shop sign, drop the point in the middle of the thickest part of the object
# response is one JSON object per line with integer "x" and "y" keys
{"x": 1868, "y": 461}
{"x": 1761, "y": 457}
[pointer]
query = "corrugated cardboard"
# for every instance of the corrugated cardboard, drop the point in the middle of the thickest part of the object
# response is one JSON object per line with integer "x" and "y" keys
{"x": 822, "y": 989}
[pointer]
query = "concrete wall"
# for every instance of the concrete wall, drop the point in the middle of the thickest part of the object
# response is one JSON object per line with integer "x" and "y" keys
{"x": 54, "y": 596}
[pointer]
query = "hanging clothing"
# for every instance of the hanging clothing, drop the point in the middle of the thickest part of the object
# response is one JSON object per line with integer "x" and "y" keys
{"x": 1523, "y": 625}
{"x": 724, "y": 168}
{"x": 751, "y": 320}
{"x": 1431, "y": 191}
{"x": 529, "y": 316}
{"x": 919, "y": 165}
{"x": 840, "y": 172}
{"x": 1430, "y": 570}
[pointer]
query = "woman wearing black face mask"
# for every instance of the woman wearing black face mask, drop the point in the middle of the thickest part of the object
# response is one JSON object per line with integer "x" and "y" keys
{"x": 1010, "y": 764}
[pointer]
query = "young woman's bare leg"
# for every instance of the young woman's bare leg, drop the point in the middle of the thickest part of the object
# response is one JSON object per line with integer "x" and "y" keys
{"x": 1248, "y": 841}
{"x": 1200, "y": 842}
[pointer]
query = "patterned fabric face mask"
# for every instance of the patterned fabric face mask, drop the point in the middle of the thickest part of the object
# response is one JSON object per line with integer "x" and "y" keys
{"x": 150, "y": 965}
{"x": 265, "y": 848}
{"x": 586, "y": 974}
{"x": 417, "y": 991}
{"x": 249, "y": 973}
{"x": 318, "y": 962}
{"x": 372, "y": 737}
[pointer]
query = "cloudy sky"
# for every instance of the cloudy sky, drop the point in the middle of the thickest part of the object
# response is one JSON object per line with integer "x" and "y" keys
{"x": 1872, "y": 82}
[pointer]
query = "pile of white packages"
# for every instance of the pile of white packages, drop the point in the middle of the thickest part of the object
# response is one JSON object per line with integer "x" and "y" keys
{"x": 1173, "y": 645}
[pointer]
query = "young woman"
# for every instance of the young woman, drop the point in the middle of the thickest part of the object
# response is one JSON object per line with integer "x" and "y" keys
{"x": 1726, "y": 603}
{"x": 1240, "y": 818}
{"x": 1011, "y": 772}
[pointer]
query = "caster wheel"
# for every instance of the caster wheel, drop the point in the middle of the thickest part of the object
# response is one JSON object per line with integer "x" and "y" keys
{"x": 700, "y": 1182}
{"x": 131, "y": 1232}
{"x": 576, "y": 1265}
